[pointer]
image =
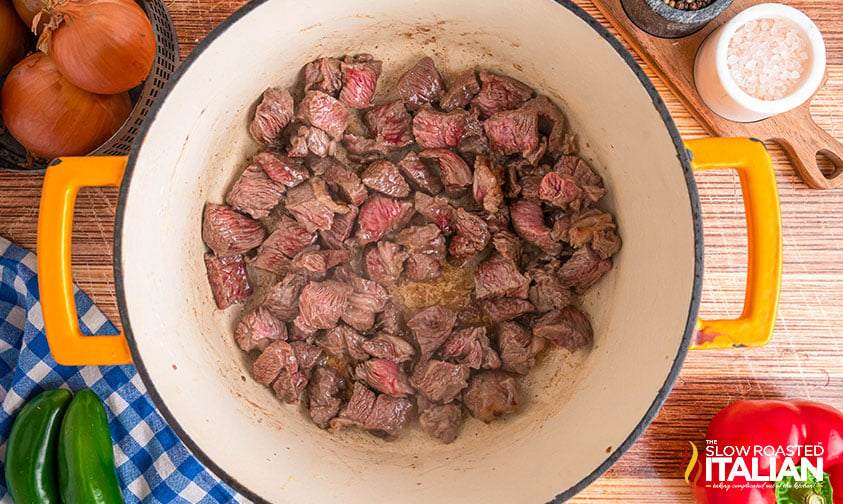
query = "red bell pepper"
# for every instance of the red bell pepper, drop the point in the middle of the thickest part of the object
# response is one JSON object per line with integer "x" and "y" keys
{"x": 771, "y": 433}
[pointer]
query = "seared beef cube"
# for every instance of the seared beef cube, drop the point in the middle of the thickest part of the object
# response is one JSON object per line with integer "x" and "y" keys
{"x": 316, "y": 263}
{"x": 389, "y": 320}
{"x": 514, "y": 132}
{"x": 568, "y": 328}
{"x": 383, "y": 176}
{"x": 439, "y": 381}
{"x": 285, "y": 170}
{"x": 312, "y": 140}
{"x": 460, "y": 93}
{"x": 499, "y": 221}
{"x": 308, "y": 356}
{"x": 312, "y": 206}
{"x": 358, "y": 409}
{"x": 285, "y": 242}
{"x": 228, "y": 278}
{"x": 367, "y": 299}
{"x": 502, "y": 309}
{"x": 324, "y": 112}
{"x": 442, "y": 422}
{"x": 528, "y": 222}
{"x": 277, "y": 365}
{"x": 340, "y": 230}
{"x": 283, "y": 298}
{"x": 560, "y": 191}
{"x": 442, "y": 130}
{"x": 511, "y": 187}
{"x": 438, "y": 211}
{"x": 387, "y": 346}
{"x": 322, "y": 303}
{"x": 518, "y": 347}
{"x": 592, "y": 227}
{"x": 323, "y": 395}
{"x": 583, "y": 269}
{"x": 380, "y": 215}
{"x": 470, "y": 347}
{"x": 530, "y": 185}
{"x": 273, "y": 113}
{"x": 455, "y": 173}
{"x": 359, "y": 79}
{"x": 228, "y": 232}
{"x": 487, "y": 186}
{"x": 426, "y": 248}
{"x": 323, "y": 75}
{"x": 548, "y": 293}
{"x": 255, "y": 193}
{"x": 498, "y": 93}
{"x": 295, "y": 333}
{"x": 384, "y": 261}
{"x": 298, "y": 142}
{"x": 389, "y": 414}
{"x": 342, "y": 342}
{"x": 257, "y": 329}
{"x": 477, "y": 145}
{"x": 340, "y": 178}
{"x": 421, "y": 84}
{"x": 390, "y": 124}
{"x": 508, "y": 245}
{"x": 498, "y": 276}
{"x": 431, "y": 327}
{"x": 362, "y": 149}
{"x": 471, "y": 238}
{"x": 420, "y": 175}
{"x": 491, "y": 395}
{"x": 384, "y": 376}
{"x": 590, "y": 183}
{"x": 551, "y": 123}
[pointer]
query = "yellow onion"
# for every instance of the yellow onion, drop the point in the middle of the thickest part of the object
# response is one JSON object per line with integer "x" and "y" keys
{"x": 51, "y": 117}
{"x": 13, "y": 37}
{"x": 27, "y": 10}
{"x": 102, "y": 46}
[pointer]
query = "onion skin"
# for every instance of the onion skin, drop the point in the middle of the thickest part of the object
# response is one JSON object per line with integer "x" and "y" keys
{"x": 13, "y": 37}
{"x": 51, "y": 117}
{"x": 103, "y": 46}
{"x": 27, "y": 9}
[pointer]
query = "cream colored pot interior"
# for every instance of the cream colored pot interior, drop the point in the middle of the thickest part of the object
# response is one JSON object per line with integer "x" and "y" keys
{"x": 577, "y": 409}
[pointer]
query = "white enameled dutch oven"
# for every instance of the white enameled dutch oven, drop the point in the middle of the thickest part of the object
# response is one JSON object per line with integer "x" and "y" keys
{"x": 579, "y": 414}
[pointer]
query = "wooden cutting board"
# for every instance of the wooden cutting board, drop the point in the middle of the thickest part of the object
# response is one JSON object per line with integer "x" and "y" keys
{"x": 795, "y": 131}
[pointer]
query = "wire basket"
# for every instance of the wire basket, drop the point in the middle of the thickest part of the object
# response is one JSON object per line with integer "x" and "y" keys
{"x": 13, "y": 156}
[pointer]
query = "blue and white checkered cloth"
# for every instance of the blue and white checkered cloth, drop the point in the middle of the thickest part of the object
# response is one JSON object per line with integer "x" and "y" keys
{"x": 153, "y": 465}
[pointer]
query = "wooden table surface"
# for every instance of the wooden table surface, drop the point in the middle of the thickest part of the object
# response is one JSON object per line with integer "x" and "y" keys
{"x": 804, "y": 359}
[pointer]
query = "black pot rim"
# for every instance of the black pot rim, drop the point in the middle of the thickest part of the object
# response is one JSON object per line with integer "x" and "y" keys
{"x": 611, "y": 458}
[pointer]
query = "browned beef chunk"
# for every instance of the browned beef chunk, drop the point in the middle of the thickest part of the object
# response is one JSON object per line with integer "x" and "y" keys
{"x": 296, "y": 333}
{"x": 280, "y": 168}
{"x": 502, "y": 309}
{"x": 426, "y": 248}
{"x": 590, "y": 183}
{"x": 277, "y": 365}
{"x": 439, "y": 381}
{"x": 491, "y": 395}
{"x": 341, "y": 179}
{"x": 390, "y": 347}
{"x": 358, "y": 409}
{"x": 283, "y": 298}
{"x": 342, "y": 342}
{"x": 548, "y": 293}
{"x": 560, "y": 191}
{"x": 530, "y": 187}
{"x": 471, "y": 238}
{"x": 322, "y": 303}
{"x": 323, "y": 75}
{"x": 438, "y": 211}
{"x": 431, "y": 327}
{"x": 228, "y": 278}
{"x": 362, "y": 149}
{"x": 461, "y": 91}
{"x": 315, "y": 263}
{"x": 499, "y": 221}
{"x": 551, "y": 123}
{"x": 311, "y": 140}
{"x": 383, "y": 176}
{"x": 340, "y": 229}
{"x": 284, "y": 243}
{"x": 498, "y": 276}
{"x": 297, "y": 147}
{"x": 359, "y": 79}
{"x": 518, "y": 347}
{"x": 514, "y": 132}
{"x": 390, "y": 124}
{"x": 274, "y": 112}
{"x": 367, "y": 299}
{"x": 308, "y": 357}
{"x": 384, "y": 261}
{"x": 583, "y": 269}
{"x": 592, "y": 227}
{"x": 389, "y": 414}
{"x": 454, "y": 171}
{"x": 420, "y": 175}
{"x": 442, "y": 422}
{"x": 487, "y": 186}
{"x": 568, "y": 328}
{"x": 323, "y": 111}
{"x": 380, "y": 215}
{"x": 384, "y": 376}
{"x": 312, "y": 205}
{"x": 511, "y": 187}
{"x": 421, "y": 84}
{"x": 255, "y": 193}
{"x": 498, "y": 93}
{"x": 324, "y": 395}
{"x": 228, "y": 232}
{"x": 257, "y": 329}
{"x": 477, "y": 145}
{"x": 470, "y": 347}
{"x": 508, "y": 245}
{"x": 528, "y": 222}
{"x": 442, "y": 130}
{"x": 389, "y": 320}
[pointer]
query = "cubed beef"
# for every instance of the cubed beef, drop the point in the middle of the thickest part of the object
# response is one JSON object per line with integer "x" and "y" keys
{"x": 438, "y": 211}
{"x": 470, "y": 347}
{"x": 590, "y": 183}
{"x": 363, "y": 149}
{"x": 257, "y": 329}
{"x": 426, "y": 248}
{"x": 384, "y": 376}
{"x": 530, "y": 187}
{"x": 278, "y": 366}
{"x": 583, "y": 269}
{"x": 367, "y": 299}
{"x": 491, "y": 395}
{"x": 568, "y": 328}
{"x": 560, "y": 191}
{"x": 508, "y": 245}
{"x": 514, "y": 132}
{"x": 296, "y": 333}
{"x": 283, "y": 169}
{"x": 228, "y": 232}
{"x": 498, "y": 93}
{"x": 487, "y": 186}
{"x": 420, "y": 175}
{"x": 442, "y": 130}
{"x": 359, "y": 79}
{"x": 442, "y": 422}
{"x": 461, "y": 91}
{"x": 552, "y": 124}
{"x": 315, "y": 263}
{"x": 323, "y": 75}
{"x": 322, "y": 303}
{"x": 308, "y": 356}
{"x": 340, "y": 230}
{"x": 389, "y": 320}
{"x": 383, "y": 176}
{"x": 283, "y": 298}
{"x": 324, "y": 391}
{"x": 319, "y": 143}
{"x": 440, "y": 381}
{"x": 390, "y": 124}
{"x": 342, "y": 342}
{"x": 255, "y": 193}
{"x": 548, "y": 293}
{"x": 421, "y": 84}
{"x": 390, "y": 347}
{"x": 273, "y": 113}
{"x": 502, "y": 309}
{"x": 499, "y": 221}
{"x": 384, "y": 261}
{"x": 512, "y": 186}
{"x": 284, "y": 243}
{"x": 431, "y": 327}
{"x": 341, "y": 179}
{"x": 592, "y": 227}
{"x": 228, "y": 278}
{"x": 312, "y": 205}
{"x": 498, "y": 276}
{"x": 528, "y": 222}
{"x": 388, "y": 417}
{"x": 297, "y": 147}
{"x": 357, "y": 410}
{"x": 381, "y": 215}
{"x": 471, "y": 238}
{"x": 454, "y": 171}
{"x": 518, "y": 347}
{"x": 323, "y": 111}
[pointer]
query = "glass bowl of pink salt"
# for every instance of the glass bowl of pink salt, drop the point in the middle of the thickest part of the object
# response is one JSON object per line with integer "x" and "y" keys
{"x": 768, "y": 59}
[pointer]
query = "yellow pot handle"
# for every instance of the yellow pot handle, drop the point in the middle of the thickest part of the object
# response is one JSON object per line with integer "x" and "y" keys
{"x": 751, "y": 160}
{"x": 64, "y": 178}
